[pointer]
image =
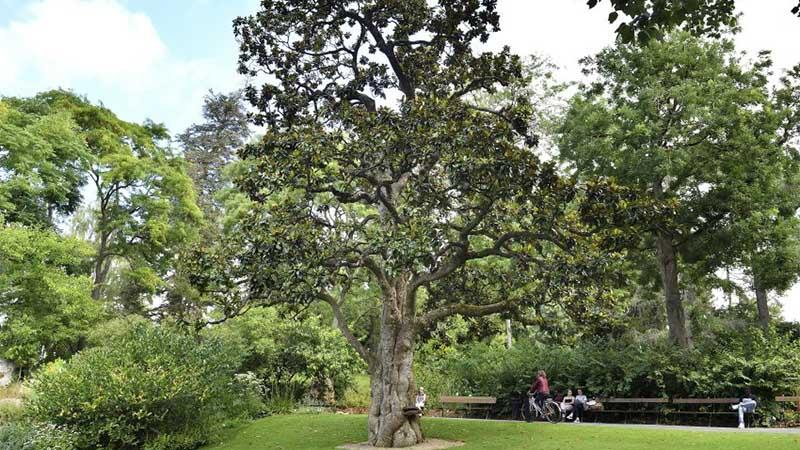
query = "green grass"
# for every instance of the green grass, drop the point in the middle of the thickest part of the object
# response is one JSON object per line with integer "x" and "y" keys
{"x": 326, "y": 431}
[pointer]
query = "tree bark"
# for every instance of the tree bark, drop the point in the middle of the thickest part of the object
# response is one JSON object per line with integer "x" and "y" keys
{"x": 676, "y": 316}
{"x": 102, "y": 265}
{"x": 392, "y": 379}
{"x": 762, "y": 304}
{"x": 509, "y": 335}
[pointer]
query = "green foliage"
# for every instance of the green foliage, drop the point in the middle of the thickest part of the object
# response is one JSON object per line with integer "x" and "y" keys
{"x": 43, "y": 161}
{"x": 628, "y": 367}
{"x": 357, "y": 395}
{"x": 151, "y": 382}
{"x": 10, "y": 412}
{"x": 44, "y": 295}
{"x": 652, "y": 20}
{"x": 15, "y": 436}
{"x": 291, "y": 355}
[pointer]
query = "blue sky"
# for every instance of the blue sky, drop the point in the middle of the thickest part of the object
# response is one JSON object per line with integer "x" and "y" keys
{"x": 152, "y": 59}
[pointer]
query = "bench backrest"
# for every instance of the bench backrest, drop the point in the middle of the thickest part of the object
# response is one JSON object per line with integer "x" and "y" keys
{"x": 788, "y": 398}
{"x": 636, "y": 400}
{"x": 705, "y": 401}
{"x": 468, "y": 400}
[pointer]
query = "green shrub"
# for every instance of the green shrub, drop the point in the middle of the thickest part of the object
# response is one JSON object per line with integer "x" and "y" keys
{"x": 10, "y": 412}
{"x": 15, "y": 436}
{"x": 357, "y": 395}
{"x": 307, "y": 355}
{"x": 151, "y": 386}
{"x": 282, "y": 398}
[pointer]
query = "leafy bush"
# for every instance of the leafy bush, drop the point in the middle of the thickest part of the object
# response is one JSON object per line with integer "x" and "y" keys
{"x": 153, "y": 386}
{"x": 10, "y": 412}
{"x": 290, "y": 355}
{"x": 15, "y": 436}
{"x": 357, "y": 395}
{"x": 28, "y": 436}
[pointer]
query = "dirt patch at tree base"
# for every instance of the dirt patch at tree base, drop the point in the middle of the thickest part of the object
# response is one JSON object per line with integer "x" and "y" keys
{"x": 429, "y": 444}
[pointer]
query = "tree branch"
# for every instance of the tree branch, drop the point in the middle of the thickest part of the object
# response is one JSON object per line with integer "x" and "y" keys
{"x": 341, "y": 322}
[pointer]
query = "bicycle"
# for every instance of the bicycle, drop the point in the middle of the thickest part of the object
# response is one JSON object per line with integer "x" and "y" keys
{"x": 551, "y": 411}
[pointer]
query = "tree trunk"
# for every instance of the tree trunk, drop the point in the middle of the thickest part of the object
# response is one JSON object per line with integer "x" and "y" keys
{"x": 762, "y": 304}
{"x": 392, "y": 379}
{"x": 102, "y": 265}
{"x": 509, "y": 335}
{"x": 676, "y": 317}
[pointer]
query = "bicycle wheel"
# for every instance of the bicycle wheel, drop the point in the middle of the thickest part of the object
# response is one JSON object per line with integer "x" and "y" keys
{"x": 552, "y": 412}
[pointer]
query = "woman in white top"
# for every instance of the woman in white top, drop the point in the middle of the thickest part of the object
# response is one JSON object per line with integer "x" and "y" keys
{"x": 421, "y": 399}
{"x": 580, "y": 406}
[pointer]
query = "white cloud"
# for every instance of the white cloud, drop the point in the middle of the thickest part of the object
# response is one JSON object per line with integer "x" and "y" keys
{"x": 62, "y": 41}
{"x": 104, "y": 50}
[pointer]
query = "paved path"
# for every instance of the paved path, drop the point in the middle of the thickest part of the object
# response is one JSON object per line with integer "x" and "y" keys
{"x": 658, "y": 427}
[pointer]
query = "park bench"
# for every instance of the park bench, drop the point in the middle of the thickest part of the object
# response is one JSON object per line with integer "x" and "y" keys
{"x": 629, "y": 408}
{"x": 788, "y": 399}
{"x": 710, "y": 408}
{"x": 467, "y": 403}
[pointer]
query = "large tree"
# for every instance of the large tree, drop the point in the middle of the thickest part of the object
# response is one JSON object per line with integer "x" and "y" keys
{"x": 145, "y": 203}
{"x": 685, "y": 122}
{"x": 378, "y": 162}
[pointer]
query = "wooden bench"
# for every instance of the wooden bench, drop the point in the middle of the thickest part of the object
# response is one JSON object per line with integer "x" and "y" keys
{"x": 486, "y": 403}
{"x": 788, "y": 399}
{"x": 628, "y": 407}
{"x": 707, "y": 407}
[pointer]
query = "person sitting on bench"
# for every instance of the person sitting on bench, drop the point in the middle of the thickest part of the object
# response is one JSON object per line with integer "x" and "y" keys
{"x": 421, "y": 399}
{"x": 568, "y": 404}
{"x": 747, "y": 404}
{"x": 579, "y": 406}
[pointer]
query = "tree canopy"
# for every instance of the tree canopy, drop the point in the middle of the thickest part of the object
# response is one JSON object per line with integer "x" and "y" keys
{"x": 685, "y": 122}
{"x": 377, "y": 159}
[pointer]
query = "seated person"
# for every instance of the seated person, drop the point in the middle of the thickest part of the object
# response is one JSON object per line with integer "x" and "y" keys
{"x": 579, "y": 406}
{"x": 747, "y": 404}
{"x": 421, "y": 399}
{"x": 567, "y": 404}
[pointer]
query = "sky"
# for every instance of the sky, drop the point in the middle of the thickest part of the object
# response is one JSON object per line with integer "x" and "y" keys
{"x": 156, "y": 59}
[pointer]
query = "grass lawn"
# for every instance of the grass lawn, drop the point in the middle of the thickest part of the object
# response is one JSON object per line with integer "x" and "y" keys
{"x": 326, "y": 431}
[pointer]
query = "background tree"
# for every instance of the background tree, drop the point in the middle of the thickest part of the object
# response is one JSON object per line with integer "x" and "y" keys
{"x": 209, "y": 146}
{"x": 145, "y": 204}
{"x": 45, "y": 295}
{"x": 407, "y": 190}
{"x": 42, "y": 160}
{"x": 654, "y": 18}
{"x": 684, "y": 122}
